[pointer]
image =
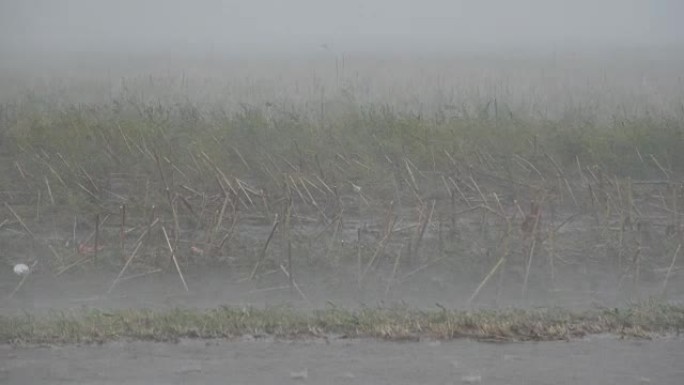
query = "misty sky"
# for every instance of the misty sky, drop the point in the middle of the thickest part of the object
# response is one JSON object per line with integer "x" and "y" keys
{"x": 225, "y": 25}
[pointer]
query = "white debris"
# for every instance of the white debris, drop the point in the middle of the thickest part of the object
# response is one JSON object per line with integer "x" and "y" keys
{"x": 471, "y": 379}
{"x": 348, "y": 375}
{"x": 21, "y": 269}
{"x": 301, "y": 375}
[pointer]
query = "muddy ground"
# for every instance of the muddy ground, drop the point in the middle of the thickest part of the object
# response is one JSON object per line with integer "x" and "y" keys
{"x": 595, "y": 360}
{"x": 427, "y": 288}
{"x": 598, "y": 360}
{"x": 581, "y": 279}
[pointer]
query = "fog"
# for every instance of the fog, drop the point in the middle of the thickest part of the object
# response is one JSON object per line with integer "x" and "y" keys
{"x": 224, "y": 156}
{"x": 215, "y": 26}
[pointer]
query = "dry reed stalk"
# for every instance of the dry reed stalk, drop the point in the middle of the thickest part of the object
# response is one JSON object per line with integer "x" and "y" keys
{"x": 90, "y": 179}
{"x": 21, "y": 171}
{"x": 288, "y": 235}
{"x": 73, "y": 239}
{"x": 221, "y": 214}
{"x": 125, "y": 139}
{"x": 380, "y": 246}
{"x": 368, "y": 168}
{"x": 56, "y": 174}
{"x": 325, "y": 185}
{"x": 561, "y": 176}
{"x": 167, "y": 189}
{"x": 465, "y": 199}
{"x": 21, "y": 221}
{"x": 660, "y": 167}
{"x": 219, "y": 174}
{"x": 122, "y": 233}
{"x": 176, "y": 221}
{"x": 231, "y": 230}
{"x": 38, "y": 206}
{"x": 270, "y": 173}
{"x": 420, "y": 268}
{"x": 295, "y": 285}
{"x": 452, "y": 209}
{"x": 637, "y": 274}
{"x": 320, "y": 210}
{"x": 71, "y": 265}
{"x": 294, "y": 185}
{"x": 49, "y": 190}
{"x": 477, "y": 188}
{"x": 395, "y": 267}
{"x": 423, "y": 226}
{"x": 585, "y": 180}
{"x": 632, "y": 265}
{"x": 244, "y": 191}
{"x": 412, "y": 179}
{"x": 531, "y": 255}
{"x": 419, "y": 223}
{"x": 242, "y": 158}
{"x": 669, "y": 271}
{"x": 198, "y": 169}
{"x": 486, "y": 279}
{"x": 313, "y": 185}
{"x": 675, "y": 209}
{"x": 97, "y": 235}
{"x": 528, "y": 165}
{"x": 92, "y": 195}
{"x": 333, "y": 239}
{"x": 308, "y": 193}
{"x": 294, "y": 168}
{"x": 451, "y": 158}
{"x": 414, "y": 167}
{"x": 497, "y": 265}
{"x": 262, "y": 255}
{"x": 125, "y": 266}
{"x": 499, "y": 206}
{"x": 175, "y": 261}
{"x": 264, "y": 200}
{"x": 188, "y": 206}
{"x": 552, "y": 259}
{"x": 359, "y": 259}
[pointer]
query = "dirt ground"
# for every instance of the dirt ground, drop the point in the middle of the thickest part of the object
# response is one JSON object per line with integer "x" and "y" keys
{"x": 599, "y": 360}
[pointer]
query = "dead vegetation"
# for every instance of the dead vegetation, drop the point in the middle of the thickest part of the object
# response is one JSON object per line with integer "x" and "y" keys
{"x": 143, "y": 188}
{"x": 478, "y": 187}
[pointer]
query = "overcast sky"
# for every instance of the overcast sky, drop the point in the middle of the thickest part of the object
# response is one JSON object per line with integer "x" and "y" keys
{"x": 230, "y": 25}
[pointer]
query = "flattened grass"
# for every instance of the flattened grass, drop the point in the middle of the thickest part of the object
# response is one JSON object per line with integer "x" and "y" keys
{"x": 95, "y": 326}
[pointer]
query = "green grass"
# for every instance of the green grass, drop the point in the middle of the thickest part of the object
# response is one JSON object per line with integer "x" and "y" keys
{"x": 642, "y": 320}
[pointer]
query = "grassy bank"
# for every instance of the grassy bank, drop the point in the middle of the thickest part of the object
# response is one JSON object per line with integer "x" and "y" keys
{"x": 641, "y": 320}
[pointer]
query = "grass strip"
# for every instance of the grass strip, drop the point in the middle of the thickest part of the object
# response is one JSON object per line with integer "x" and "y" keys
{"x": 399, "y": 323}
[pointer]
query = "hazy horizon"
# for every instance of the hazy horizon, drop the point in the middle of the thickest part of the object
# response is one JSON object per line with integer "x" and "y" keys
{"x": 215, "y": 26}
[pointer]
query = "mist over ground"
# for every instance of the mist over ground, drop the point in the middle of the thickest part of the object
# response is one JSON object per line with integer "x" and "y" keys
{"x": 268, "y": 26}
{"x": 295, "y": 177}
{"x": 531, "y": 55}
